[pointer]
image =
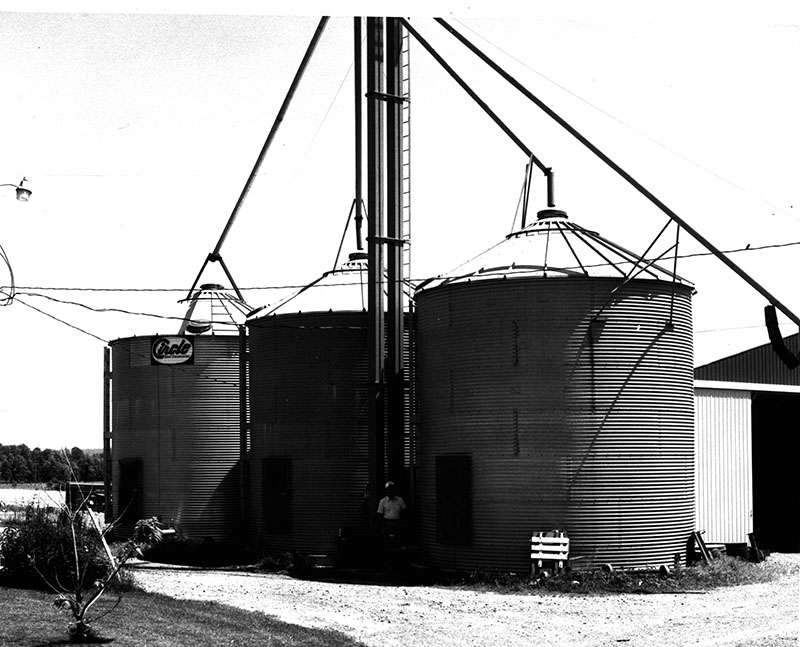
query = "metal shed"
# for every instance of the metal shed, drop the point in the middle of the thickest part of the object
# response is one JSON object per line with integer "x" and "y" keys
{"x": 748, "y": 420}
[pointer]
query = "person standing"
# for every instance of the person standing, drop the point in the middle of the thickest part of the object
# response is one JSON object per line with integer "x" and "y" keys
{"x": 390, "y": 512}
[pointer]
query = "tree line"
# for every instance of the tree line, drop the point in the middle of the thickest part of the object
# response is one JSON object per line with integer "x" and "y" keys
{"x": 20, "y": 464}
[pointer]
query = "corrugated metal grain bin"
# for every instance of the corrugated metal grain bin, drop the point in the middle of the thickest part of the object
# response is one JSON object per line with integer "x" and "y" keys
{"x": 309, "y": 443}
{"x": 175, "y": 428}
{"x": 554, "y": 393}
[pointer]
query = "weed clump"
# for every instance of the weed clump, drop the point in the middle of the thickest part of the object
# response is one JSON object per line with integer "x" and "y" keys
{"x": 276, "y": 562}
{"x": 722, "y": 571}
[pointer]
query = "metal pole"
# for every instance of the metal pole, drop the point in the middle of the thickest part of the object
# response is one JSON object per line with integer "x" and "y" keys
{"x": 394, "y": 255}
{"x": 375, "y": 255}
{"x": 624, "y": 174}
{"x": 107, "y": 462}
{"x": 357, "y": 66}
{"x": 244, "y": 430}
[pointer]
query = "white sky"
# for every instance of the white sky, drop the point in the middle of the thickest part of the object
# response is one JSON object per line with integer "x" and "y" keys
{"x": 137, "y": 132}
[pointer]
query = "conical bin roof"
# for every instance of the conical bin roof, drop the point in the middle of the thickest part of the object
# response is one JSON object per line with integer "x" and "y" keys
{"x": 554, "y": 247}
{"x": 213, "y": 309}
{"x": 343, "y": 289}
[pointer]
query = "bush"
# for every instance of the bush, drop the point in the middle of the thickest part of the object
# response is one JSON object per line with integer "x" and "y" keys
{"x": 38, "y": 545}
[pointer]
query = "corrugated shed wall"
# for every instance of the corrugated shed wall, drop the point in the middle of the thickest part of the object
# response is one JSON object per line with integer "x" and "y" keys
{"x": 724, "y": 470}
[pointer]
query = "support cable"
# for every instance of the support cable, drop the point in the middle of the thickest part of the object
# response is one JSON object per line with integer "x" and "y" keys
{"x": 344, "y": 234}
{"x": 674, "y": 271}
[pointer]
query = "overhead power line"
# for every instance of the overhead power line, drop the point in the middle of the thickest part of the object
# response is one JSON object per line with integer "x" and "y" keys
{"x": 61, "y": 321}
{"x": 202, "y": 376}
{"x": 112, "y": 310}
{"x": 106, "y": 342}
{"x": 300, "y": 286}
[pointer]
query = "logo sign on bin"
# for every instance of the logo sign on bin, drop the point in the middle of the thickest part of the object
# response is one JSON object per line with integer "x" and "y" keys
{"x": 172, "y": 350}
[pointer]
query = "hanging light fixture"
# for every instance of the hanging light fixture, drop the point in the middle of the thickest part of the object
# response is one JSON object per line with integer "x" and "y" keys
{"x": 23, "y": 194}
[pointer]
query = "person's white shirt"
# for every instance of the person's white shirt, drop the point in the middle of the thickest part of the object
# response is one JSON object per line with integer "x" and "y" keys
{"x": 390, "y": 507}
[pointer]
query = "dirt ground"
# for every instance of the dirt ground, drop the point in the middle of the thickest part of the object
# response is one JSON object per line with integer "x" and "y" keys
{"x": 755, "y": 615}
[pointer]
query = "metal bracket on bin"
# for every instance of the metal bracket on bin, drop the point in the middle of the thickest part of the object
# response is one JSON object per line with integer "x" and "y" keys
{"x": 550, "y": 547}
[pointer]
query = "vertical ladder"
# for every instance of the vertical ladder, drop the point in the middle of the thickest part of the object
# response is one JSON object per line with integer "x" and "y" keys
{"x": 409, "y": 440}
{"x": 405, "y": 84}
{"x": 219, "y": 312}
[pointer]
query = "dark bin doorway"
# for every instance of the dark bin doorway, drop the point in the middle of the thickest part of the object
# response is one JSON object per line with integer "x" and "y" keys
{"x": 130, "y": 490}
{"x": 776, "y": 495}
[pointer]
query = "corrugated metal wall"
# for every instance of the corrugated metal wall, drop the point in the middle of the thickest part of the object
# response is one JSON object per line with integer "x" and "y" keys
{"x": 309, "y": 377}
{"x": 571, "y": 425}
{"x": 724, "y": 469}
{"x": 182, "y": 423}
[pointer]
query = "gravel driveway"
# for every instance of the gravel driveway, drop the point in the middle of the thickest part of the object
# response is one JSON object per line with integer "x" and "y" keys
{"x": 755, "y": 615}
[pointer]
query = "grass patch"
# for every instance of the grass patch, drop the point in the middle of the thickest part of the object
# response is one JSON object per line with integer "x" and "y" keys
{"x": 145, "y": 619}
{"x": 720, "y": 572}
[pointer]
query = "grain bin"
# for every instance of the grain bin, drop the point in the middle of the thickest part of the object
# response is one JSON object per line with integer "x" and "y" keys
{"x": 308, "y": 402}
{"x": 175, "y": 423}
{"x": 555, "y": 392}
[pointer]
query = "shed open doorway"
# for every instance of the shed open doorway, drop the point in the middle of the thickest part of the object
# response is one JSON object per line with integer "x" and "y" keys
{"x": 776, "y": 495}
